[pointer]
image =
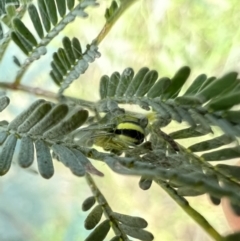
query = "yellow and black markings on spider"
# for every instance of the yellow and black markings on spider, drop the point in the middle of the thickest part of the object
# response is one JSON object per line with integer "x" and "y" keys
{"x": 128, "y": 131}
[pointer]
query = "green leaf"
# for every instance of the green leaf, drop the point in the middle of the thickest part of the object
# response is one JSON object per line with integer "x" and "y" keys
{"x": 61, "y": 68}
{"x": 113, "y": 84}
{"x": 10, "y": 10}
{"x": 3, "y": 137}
{"x": 68, "y": 50}
{"x": 159, "y": 87}
{"x": 111, "y": 10}
{"x": 6, "y": 154}
{"x": 185, "y": 115}
{"x": 82, "y": 159}
{"x": 61, "y": 5}
{"x": 137, "y": 80}
{"x": 172, "y": 111}
{"x": 200, "y": 119}
{"x": 215, "y": 200}
{"x": 35, "y": 117}
{"x": 113, "y": 7}
{"x": 64, "y": 59}
{"x": 57, "y": 70}
{"x": 68, "y": 125}
{"x": 55, "y": 115}
{"x": 223, "y": 154}
{"x": 26, "y": 153}
{"x": 145, "y": 183}
{"x": 188, "y": 100}
{"x": 206, "y": 83}
{"x": 51, "y": 11}
{"x": 147, "y": 82}
{"x": 14, "y": 124}
{"x": 217, "y": 87}
{"x": 233, "y": 87}
{"x": 229, "y": 171}
{"x": 231, "y": 115}
{"x": 88, "y": 203}
{"x": 56, "y": 77}
{"x": 227, "y": 127}
{"x": 33, "y": 13}
{"x": 211, "y": 144}
{"x": 67, "y": 157}
{"x": 70, "y": 4}
{"x": 188, "y": 133}
{"x": 26, "y": 34}
{"x": 100, "y": 232}
{"x": 137, "y": 233}
{"x": 224, "y": 102}
{"x": 177, "y": 82}
{"x": 196, "y": 84}
{"x": 44, "y": 159}
{"x": 125, "y": 80}
{"x": 77, "y": 50}
{"x": 21, "y": 42}
{"x": 4, "y": 102}
{"x": 130, "y": 221}
{"x": 44, "y": 16}
{"x": 213, "y": 179}
{"x": 1, "y": 31}
{"x": 93, "y": 218}
{"x": 104, "y": 86}
{"x": 16, "y": 61}
{"x": 189, "y": 191}
{"x": 158, "y": 107}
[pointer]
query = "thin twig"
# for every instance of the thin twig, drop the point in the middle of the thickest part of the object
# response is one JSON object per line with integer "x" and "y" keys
{"x": 33, "y": 90}
{"x": 109, "y": 24}
{"x": 107, "y": 209}
{"x": 183, "y": 203}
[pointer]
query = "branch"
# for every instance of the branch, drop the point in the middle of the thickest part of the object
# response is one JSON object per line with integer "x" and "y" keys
{"x": 125, "y": 4}
{"x": 33, "y": 90}
{"x": 183, "y": 203}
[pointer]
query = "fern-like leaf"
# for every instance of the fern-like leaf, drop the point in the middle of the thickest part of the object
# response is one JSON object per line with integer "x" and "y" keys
{"x": 48, "y": 11}
{"x": 122, "y": 225}
{"x": 69, "y": 62}
{"x": 43, "y": 127}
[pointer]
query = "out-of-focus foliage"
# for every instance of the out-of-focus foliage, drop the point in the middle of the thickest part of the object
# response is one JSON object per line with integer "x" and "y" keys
{"x": 164, "y": 35}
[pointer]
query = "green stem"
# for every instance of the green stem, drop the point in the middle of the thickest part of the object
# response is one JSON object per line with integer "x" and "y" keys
{"x": 107, "y": 209}
{"x": 183, "y": 203}
{"x": 125, "y": 4}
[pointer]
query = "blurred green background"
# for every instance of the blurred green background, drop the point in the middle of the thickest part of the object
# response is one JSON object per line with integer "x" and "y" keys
{"x": 161, "y": 34}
